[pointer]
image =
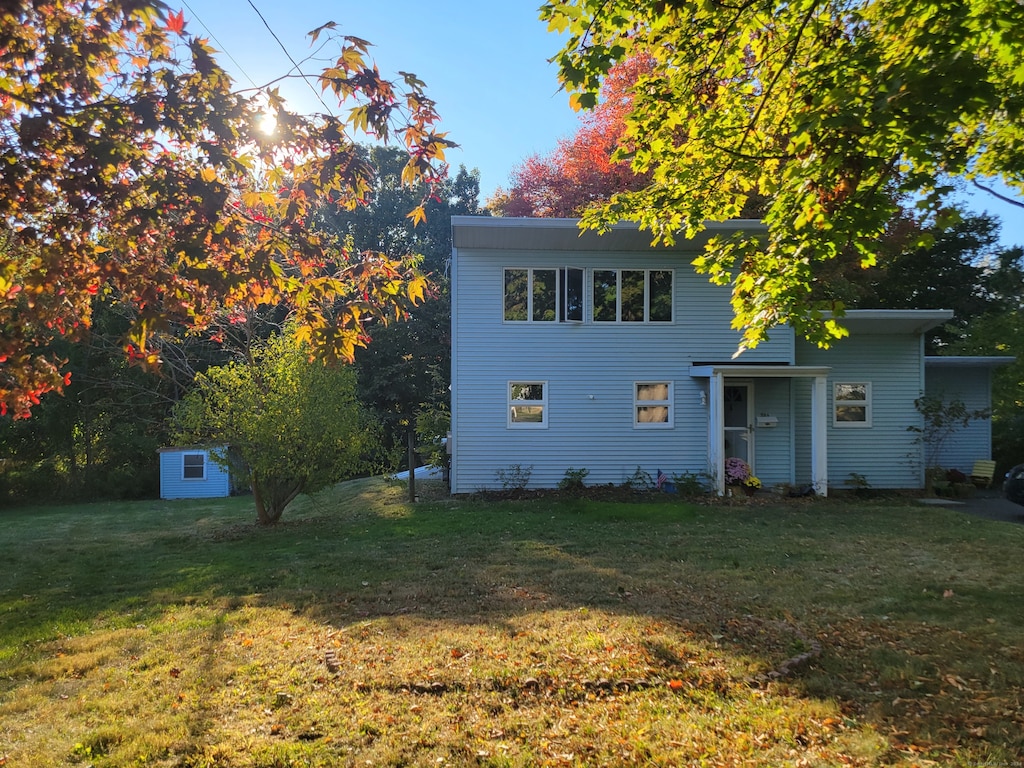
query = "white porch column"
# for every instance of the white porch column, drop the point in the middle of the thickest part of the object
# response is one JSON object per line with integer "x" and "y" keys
{"x": 819, "y": 435}
{"x": 716, "y": 431}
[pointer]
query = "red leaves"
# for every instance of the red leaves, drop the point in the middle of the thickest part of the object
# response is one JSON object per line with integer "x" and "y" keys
{"x": 580, "y": 171}
{"x": 176, "y": 23}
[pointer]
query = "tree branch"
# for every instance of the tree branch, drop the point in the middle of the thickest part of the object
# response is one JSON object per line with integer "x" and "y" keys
{"x": 997, "y": 195}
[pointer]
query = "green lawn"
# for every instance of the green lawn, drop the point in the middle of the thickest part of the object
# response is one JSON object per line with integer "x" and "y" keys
{"x": 366, "y": 631}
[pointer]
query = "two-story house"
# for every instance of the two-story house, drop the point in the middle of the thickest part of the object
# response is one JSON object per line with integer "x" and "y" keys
{"x": 600, "y": 352}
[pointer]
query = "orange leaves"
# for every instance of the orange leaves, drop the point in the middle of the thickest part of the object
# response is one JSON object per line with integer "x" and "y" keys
{"x": 181, "y": 228}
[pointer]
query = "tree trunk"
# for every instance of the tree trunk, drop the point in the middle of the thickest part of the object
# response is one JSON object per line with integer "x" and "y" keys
{"x": 272, "y": 496}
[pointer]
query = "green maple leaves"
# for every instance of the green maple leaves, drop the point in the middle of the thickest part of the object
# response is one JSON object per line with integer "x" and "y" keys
{"x": 830, "y": 111}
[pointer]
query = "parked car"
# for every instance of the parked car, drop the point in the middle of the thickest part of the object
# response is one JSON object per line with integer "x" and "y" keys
{"x": 1014, "y": 485}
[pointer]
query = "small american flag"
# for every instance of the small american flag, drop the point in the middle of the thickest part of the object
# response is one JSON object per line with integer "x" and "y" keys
{"x": 662, "y": 479}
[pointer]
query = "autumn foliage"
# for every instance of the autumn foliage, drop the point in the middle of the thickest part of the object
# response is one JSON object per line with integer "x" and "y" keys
{"x": 132, "y": 171}
{"x": 580, "y": 170}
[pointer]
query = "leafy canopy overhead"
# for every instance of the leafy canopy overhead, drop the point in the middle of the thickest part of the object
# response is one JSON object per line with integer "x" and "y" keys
{"x": 831, "y": 110}
{"x": 132, "y": 170}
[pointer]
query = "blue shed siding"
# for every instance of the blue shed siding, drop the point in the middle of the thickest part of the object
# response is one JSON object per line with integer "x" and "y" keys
{"x": 973, "y": 387}
{"x": 590, "y": 370}
{"x": 885, "y": 453}
{"x": 174, "y": 485}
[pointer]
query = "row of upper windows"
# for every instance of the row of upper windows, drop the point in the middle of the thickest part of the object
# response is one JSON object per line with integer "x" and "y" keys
{"x": 652, "y": 404}
{"x": 544, "y": 295}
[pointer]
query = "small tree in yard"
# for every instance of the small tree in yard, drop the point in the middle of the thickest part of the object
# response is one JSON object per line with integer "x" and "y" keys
{"x": 293, "y": 424}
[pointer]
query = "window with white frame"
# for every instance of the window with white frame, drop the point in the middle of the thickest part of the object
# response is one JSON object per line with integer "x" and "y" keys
{"x": 543, "y": 295}
{"x": 851, "y": 404}
{"x": 652, "y": 404}
{"x": 193, "y": 466}
{"x": 632, "y": 296}
{"x": 527, "y": 404}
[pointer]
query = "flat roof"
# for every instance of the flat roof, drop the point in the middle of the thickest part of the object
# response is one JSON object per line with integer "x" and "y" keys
{"x": 886, "y": 321}
{"x": 523, "y": 233}
{"x": 967, "y": 361}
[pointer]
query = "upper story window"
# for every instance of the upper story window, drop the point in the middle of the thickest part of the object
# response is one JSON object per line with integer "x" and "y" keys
{"x": 633, "y": 295}
{"x": 535, "y": 295}
{"x": 851, "y": 404}
{"x": 193, "y": 466}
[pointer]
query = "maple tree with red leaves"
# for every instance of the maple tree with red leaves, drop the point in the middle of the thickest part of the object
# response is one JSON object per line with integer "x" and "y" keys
{"x": 133, "y": 172}
{"x": 580, "y": 170}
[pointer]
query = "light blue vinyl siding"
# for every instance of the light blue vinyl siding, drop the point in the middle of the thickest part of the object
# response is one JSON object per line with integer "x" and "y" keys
{"x": 590, "y": 369}
{"x": 173, "y": 484}
{"x": 972, "y": 385}
{"x": 884, "y": 453}
{"x": 773, "y": 452}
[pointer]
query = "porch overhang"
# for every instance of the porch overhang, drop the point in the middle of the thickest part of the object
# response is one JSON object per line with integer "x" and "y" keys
{"x": 758, "y": 371}
{"x": 717, "y": 374}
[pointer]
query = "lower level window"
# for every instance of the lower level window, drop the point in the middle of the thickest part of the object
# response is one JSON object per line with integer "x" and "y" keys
{"x": 851, "y": 404}
{"x": 527, "y": 404}
{"x": 194, "y": 466}
{"x": 652, "y": 404}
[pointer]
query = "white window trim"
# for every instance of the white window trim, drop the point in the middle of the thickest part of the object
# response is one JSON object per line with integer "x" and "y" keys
{"x": 543, "y": 403}
{"x": 669, "y": 403}
{"x": 618, "y": 296}
{"x": 206, "y": 462}
{"x": 866, "y": 403}
{"x": 561, "y": 294}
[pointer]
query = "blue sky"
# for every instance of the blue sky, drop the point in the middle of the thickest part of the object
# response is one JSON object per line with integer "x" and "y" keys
{"x": 485, "y": 63}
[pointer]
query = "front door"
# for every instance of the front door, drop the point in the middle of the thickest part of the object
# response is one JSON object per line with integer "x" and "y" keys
{"x": 738, "y": 410}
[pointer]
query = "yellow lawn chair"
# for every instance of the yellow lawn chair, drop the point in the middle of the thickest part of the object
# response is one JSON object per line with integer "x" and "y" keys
{"x": 981, "y": 475}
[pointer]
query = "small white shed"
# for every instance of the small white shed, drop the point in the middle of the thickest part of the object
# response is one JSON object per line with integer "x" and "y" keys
{"x": 191, "y": 473}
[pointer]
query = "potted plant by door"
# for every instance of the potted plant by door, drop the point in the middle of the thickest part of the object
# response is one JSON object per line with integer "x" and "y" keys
{"x": 751, "y": 485}
{"x": 737, "y": 474}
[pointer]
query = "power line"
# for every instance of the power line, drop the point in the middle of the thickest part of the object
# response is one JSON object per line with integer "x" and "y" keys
{"x": 223, "y": 48}
{"x": 295, "y": 64}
